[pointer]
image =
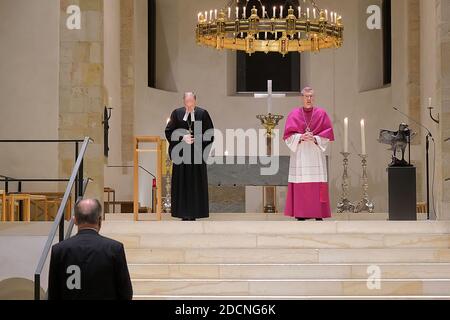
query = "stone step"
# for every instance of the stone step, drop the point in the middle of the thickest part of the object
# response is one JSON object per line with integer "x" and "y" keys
{"x": 258, "y": 255}
{"x": 275, "y": 227}
{"x": 257, "y": 217}
{"x": 291, "y": 271}
{"x": 301, "y": 241}
{"x": 291, "y": 287}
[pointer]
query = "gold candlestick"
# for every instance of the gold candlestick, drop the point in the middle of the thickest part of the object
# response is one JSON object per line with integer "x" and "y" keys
{"x": 270, "y": 122}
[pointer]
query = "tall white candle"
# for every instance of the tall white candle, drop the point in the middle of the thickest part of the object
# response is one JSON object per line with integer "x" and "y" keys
{"x": 206, "y": 15}
{"x": 263, "y": 12}
{"x": 281, "y": 12}
{"x": 314, "y": 13}
{"x": 363, "y": 137}
{"x": 274, "y": 12}
{"x": 245, "y": 12}
{"x": 210, "y": 14}
{"x": 299, "y": 12}
{"x": 307, "y": 13}
{"x": 346, "y": 135}
{"x": 229, "y": 13}
{"x": 237, "y": 12}
{"x": 430, "y": 101}
{"x": 215, "y": 14}
{"x": 326, "y": 14}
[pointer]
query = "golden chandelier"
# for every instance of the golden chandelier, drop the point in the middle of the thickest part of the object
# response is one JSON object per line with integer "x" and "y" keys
{"x": 305, "y": 28}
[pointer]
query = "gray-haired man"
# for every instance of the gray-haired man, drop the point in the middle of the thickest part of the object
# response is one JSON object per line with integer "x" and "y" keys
{"x": 89, "y": 266}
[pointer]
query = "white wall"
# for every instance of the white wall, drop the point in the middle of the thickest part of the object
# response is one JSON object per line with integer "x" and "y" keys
{"x": 29, "y": 73}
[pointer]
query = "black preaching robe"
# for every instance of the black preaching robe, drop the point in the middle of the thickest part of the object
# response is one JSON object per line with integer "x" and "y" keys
{"x": 190, "y": 198}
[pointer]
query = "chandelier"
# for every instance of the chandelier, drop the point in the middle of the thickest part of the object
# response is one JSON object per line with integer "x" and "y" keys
{"x": 305, "y": 27}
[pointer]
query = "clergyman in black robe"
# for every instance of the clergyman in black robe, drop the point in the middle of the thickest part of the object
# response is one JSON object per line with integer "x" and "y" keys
{"x": 190, "y": 136}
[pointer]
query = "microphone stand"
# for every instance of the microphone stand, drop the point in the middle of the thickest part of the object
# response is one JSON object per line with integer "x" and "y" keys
{"x": 427, "y": 157}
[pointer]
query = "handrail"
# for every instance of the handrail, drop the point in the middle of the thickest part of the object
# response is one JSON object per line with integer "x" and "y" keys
{"x": 76, "y": 176}
{"x": 42, "y": 141}
{"x": 140, "y": 167}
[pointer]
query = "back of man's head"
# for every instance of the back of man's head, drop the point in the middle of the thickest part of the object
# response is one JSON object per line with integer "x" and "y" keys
{"x": 88, "y": 213}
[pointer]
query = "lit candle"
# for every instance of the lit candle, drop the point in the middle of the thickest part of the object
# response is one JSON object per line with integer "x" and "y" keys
{"x": 346, "y": 135}
{"x": 363, "y": 137}
{"x": 237, "y": 12}
{"x": 229, "y": 13}
{"x": 281, "y": 12}
{"x": 245, "y": 12}
{"x": 326, "y": 14}
{"x": 307, "y": 13}
{"x": 264, "y": 12}
{"x": 274, "y": 12}
{"x": 331, "y": 16}
{"x": 314, "y": 13}
{"x": 299, "y": 12}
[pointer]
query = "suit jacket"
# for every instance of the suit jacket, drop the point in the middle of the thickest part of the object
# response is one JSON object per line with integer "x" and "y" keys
{"x": 89, "y": 267}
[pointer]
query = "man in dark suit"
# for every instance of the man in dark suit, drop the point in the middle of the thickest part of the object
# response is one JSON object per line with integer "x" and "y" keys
{"x": 89, "y": 266}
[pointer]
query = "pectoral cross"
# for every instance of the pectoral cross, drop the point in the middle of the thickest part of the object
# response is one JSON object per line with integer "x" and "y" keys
{"x": 269, "y": 95}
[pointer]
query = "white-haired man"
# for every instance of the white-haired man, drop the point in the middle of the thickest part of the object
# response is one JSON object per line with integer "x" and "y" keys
{"x": 307, "y": 134}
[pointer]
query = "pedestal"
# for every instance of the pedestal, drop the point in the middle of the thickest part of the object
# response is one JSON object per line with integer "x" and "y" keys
{"x": 402, "y": 194}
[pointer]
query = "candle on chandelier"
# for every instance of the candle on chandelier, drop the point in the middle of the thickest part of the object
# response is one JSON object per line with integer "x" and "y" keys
{"x": 281, "y": 12}
{"x": 274, "y": 12}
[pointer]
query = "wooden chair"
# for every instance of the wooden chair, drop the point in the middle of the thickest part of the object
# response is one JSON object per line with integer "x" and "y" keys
{"x": 41, "y": 198}
{"x": 3, "y": 199}
{"x": 26, "y": 199}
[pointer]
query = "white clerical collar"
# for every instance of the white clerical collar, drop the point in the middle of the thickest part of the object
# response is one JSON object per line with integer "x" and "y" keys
{"x": 192, "y": 116}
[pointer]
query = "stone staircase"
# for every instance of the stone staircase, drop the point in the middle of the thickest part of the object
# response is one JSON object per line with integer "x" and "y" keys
{"x": 286, "y": 259}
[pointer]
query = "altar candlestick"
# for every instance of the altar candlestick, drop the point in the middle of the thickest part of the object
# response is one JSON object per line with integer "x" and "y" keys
{"x": 363, "y": 137}
{"x": 346, "y": 135}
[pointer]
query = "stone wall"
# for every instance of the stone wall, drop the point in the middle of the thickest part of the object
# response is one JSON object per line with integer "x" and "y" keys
{"x": 81, "y": 90}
